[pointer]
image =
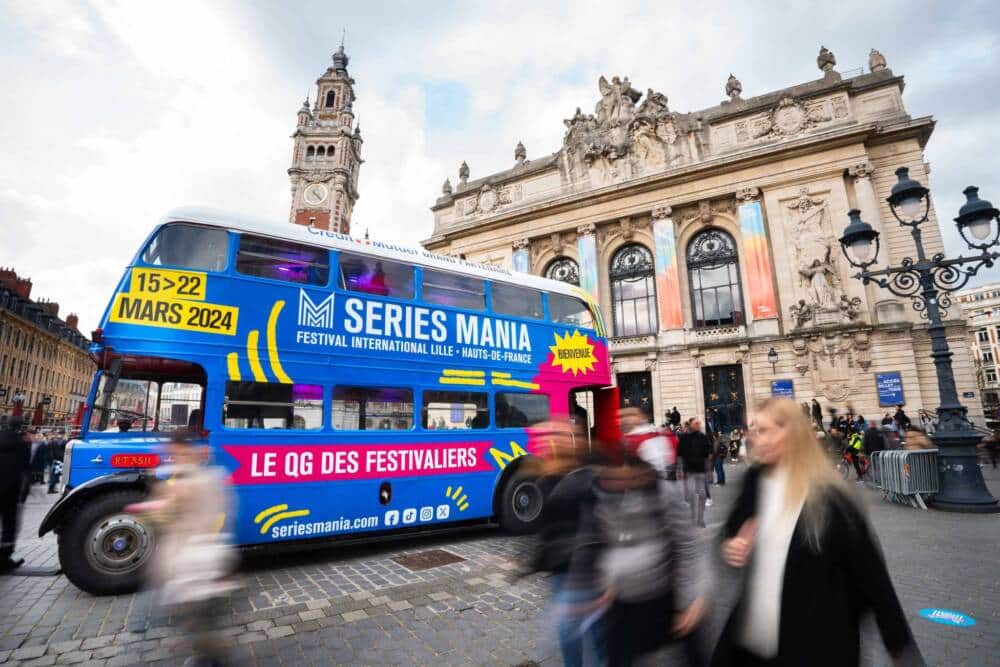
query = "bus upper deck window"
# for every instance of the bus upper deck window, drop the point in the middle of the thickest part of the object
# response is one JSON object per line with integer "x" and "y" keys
{"x": 282, "y": 260}
{"x": 454, "y": 289}
{"x": 452, "y": 410}
{"x": 570, "y": 310}
{"x": 514, "y": 300}
{"x": 188, "y": 247}
{"x": 373, "y": 275}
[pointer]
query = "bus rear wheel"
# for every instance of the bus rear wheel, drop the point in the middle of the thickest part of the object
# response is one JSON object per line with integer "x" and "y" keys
{"x": 521, "y": 504}
{"x": 103, "y": 550}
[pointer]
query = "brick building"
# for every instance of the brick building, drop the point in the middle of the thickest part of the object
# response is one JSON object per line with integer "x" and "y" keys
{"x": 44, "y": 365}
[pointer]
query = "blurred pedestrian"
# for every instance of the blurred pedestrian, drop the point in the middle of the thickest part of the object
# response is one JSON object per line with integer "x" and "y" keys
{"x": 916, "y": 439}
{"x": 873, "y": 440}
{"x": 193, "y": 560}
{"x": 693, "y": 450}
{"x": 813, "y": 565}
{"x": 57, "y": 452}
{"x": 992, "y": 447}
{"x": 637, "y": 545}
{"x": 817, "y": 414}
{"x": 15, "y": 461}
{"x": 643, "y": 439}
{"x": 675, "y": 417}
{"x": 721, "y": 452}
{"x": 901, "y": 419}
{"x": 567, "y": 480}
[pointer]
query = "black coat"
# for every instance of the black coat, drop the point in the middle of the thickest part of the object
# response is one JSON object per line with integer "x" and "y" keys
{"x": 824, "y": 594}
{"x": 874, "y": 441}
{"x": 15, "y": 457}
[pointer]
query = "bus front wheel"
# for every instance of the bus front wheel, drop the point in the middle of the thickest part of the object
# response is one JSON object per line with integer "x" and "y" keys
{"x": 103, "y": 549}
{"x": 521, "y": 504}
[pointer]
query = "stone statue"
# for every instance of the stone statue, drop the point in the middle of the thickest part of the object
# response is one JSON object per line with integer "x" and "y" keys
{"x": 617, "y": 104}
{"x": 446, "y": 188}
{"x": 825, "y": 60}
{"x": 463, "y": 173}
{"x": 520, "y": 154}
{"x": 876, "y": 61}
{"x": 817, "y": 264}
{"x": 733, "y": 88}
{"x": 654, "y": 104}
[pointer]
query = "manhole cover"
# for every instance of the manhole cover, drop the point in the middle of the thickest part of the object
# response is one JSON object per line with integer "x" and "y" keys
{"x": 425, "y": 560}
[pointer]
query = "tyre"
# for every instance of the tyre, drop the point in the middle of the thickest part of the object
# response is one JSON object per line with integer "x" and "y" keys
{"x": 521, "y": 504}
{"x": 103, "y": 550}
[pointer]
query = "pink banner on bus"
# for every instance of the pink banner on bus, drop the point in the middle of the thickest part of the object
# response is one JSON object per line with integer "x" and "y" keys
{"x": 281, "y": 464}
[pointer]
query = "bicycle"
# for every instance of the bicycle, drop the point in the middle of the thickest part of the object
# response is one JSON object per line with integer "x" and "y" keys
{"x": 845, "y": 466}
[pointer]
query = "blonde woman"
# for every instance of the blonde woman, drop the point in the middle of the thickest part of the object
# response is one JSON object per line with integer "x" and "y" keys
{"x": 812, "y": 564}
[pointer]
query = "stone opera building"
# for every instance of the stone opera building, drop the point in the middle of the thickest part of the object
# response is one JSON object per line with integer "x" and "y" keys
{"x": 710, "y": 240}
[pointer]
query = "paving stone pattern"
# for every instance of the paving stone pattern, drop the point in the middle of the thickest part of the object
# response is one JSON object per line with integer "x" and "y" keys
{"x": 358, "y": 606}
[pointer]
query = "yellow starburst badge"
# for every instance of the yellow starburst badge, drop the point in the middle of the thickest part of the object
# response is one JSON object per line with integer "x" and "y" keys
{"x": 572, "y": 353}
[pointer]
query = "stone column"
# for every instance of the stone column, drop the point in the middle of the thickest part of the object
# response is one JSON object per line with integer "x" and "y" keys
{"x": 668, "y": 286}
{"x": 762, "y": 302}
{"x": 519, "y": 258}
{"x": 586, "y": 250}
{"x": 868, "y": 204}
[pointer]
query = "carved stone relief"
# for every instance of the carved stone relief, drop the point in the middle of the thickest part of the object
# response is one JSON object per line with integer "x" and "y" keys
{"x": 789, "y": 118}
{"x": 705, "y": 211}
{"x": 822, "y": 300}
{"x": 830, "y": 360}
{"x": 489, "y": 199}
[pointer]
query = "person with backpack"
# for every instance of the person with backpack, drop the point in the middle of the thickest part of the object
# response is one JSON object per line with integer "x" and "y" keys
{"x": 636, "y": 551}
{"x": 855, "y": 448}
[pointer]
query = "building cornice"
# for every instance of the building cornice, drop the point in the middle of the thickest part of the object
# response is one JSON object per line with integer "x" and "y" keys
{"x": 866, "y": 133}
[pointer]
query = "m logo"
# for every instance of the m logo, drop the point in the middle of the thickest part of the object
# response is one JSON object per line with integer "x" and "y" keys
{"x": 311, "y": 314}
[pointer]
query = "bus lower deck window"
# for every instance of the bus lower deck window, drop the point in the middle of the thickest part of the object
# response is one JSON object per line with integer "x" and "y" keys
{"x": 453, "y": 289}
{"x": 455, "y": 410}
{"x": 372, "y": 409}
{"x": 515, "y": 410}
{"x": 188, "y": 247}
{"x": 570, "y": 310}
{"x": 282, "y": 260}
{"x": 273, "y": 406}
{"x": 373, "y": 275}
{"x": 514, "y": 300}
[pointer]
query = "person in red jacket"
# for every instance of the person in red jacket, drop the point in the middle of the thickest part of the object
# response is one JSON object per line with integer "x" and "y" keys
{"x": 643, "y": 440}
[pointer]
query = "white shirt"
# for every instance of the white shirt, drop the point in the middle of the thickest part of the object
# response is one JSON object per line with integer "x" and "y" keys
{"x": 762, "y": 616}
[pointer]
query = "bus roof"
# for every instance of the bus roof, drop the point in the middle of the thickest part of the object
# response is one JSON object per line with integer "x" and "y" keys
{"x": 319, "y": 237}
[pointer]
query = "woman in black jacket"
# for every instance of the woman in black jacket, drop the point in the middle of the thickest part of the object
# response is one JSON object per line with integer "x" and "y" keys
{"x": 813, "y": 566}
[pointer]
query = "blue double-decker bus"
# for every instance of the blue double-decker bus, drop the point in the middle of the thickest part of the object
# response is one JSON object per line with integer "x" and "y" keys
{"x": 351, "y": 389}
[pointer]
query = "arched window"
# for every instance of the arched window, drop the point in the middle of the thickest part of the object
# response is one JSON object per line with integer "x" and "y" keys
{"x": 331, "y": 98}
{"x": 714, "y": 280}
{"x": 329, "y": 152}
{"x": 310, "y": 153}
{"x": 321, "y": 152}
{"x": 633, "y": 291}
{"x": 563, "y": 269}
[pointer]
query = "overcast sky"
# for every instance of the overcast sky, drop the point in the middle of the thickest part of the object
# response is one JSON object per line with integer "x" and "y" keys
{"x": 111, "y": 113}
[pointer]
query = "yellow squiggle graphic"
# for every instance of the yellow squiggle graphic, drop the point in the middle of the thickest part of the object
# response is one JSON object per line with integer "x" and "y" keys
{"x": 268, "y": 512}
{"x": 233, "y": 362}
{"x": 252, "y": 354}
{"x": 279, "y": 516}
{"x": 272, "y": 344}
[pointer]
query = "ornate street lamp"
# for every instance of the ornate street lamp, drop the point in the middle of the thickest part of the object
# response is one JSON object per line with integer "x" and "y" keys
{"x": 927, "y": 281}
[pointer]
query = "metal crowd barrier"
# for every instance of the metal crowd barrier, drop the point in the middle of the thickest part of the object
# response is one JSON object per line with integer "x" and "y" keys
{"x": 905, "y": 476}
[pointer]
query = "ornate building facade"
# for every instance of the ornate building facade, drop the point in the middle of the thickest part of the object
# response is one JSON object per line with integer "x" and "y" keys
{"x": 710, "y": 240}
{"x": 981, "y": 307}
{"x": 326, "y": 156}
{"x": 45, "y": 371}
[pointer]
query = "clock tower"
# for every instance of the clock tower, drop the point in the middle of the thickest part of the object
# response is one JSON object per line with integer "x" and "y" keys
{"x": 327, "y": 153}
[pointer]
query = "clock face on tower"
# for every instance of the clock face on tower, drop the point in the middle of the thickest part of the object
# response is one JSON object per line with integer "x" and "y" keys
{"x": 315, "y": 193}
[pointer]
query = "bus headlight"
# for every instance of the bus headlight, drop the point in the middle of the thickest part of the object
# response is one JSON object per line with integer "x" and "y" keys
{"x": 67, "y": 459}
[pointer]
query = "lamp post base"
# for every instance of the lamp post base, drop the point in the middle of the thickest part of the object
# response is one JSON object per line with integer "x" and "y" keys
{"x": 962, "y": 487}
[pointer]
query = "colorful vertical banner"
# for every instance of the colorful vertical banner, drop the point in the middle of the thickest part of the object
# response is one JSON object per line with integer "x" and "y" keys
{"x": 668, "y": 286}
{"x": 586, "y": 250}
{"x": 763, "y": 303}
{"x": 520, "y": 260}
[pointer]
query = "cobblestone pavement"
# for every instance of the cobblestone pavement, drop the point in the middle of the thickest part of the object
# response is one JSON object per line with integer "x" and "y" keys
{"x": 358, "y": 606}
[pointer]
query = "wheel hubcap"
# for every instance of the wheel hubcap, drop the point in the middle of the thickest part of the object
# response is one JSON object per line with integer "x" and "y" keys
{"x": 527, "y": 501}
{"x": 119, "y": 544}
